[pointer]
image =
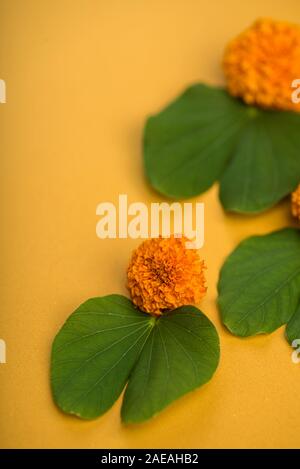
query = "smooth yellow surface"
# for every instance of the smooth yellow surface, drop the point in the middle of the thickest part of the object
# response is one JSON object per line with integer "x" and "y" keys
{"x": 81, "y": 77}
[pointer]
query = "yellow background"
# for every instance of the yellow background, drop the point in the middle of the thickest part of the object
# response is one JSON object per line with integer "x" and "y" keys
{"x": 81, "y": 77}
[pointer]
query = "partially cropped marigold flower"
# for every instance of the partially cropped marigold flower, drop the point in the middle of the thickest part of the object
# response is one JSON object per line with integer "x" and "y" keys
{"x": 296, "y": 203}
{"x": 163, "y": 274}
{"x": 262, "y": 62}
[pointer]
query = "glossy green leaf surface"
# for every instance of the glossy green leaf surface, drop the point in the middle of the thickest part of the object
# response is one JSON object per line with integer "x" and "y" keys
{"x": 181, "y": 354}
{"x": 187, "y": 145}
{"x": 206, "y": 135}
{"x": 259, "y": 284}
{"x": 107, "y": 342}
{"x": 94, "y": 352}
{"x": 293, "y": 327}
{"x": 265, "y": 165}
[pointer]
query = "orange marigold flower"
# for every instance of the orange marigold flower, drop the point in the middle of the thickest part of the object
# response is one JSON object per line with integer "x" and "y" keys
{"x": 262, "y": 62}
{"x": 296, "y": 203}
{"x": 163, "y": 274}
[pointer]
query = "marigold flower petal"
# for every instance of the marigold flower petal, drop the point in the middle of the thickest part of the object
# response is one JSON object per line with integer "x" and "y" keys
{"x": 296, "y": 203}
{"x": 262, "y": 62}
{"x": 163, "y": 274}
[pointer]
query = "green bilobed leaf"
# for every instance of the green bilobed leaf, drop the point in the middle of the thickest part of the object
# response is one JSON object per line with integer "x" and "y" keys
{"x": 206, "y": 135}
{"x": 181, "y": 354}
{"x": 187, "y": 145}
{"x": 259, "y": 285}
{"x": 94, "y": 352}
{"x": 293, "y": 327}
{"x": 107, "y": 342}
